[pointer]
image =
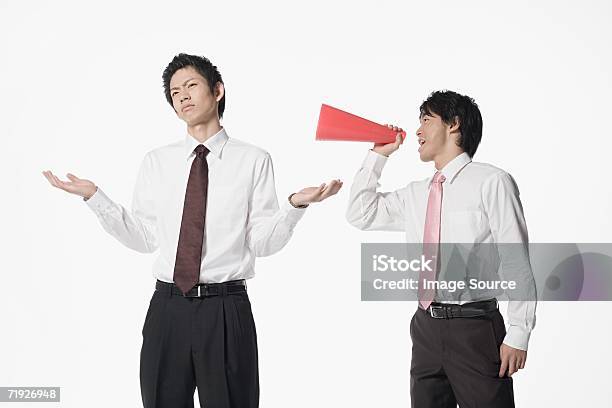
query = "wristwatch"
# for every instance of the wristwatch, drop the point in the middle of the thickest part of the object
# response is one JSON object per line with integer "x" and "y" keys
{"x": 296, "y": 206}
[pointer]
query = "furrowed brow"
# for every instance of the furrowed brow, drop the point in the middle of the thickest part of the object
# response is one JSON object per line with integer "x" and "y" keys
{"x": 184, "y": 83}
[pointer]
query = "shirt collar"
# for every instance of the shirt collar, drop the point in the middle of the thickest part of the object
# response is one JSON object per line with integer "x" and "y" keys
{"x": 451, "y": 168}
{"x": 214, "y": 144}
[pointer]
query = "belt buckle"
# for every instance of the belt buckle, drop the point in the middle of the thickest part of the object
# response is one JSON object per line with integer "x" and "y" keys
{"x": 194, "y": 295}
{"x": 203, "y": 290}
{"x": 433, "y": 309}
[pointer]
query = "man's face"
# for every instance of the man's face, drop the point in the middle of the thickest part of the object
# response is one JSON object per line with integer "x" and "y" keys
{"x": 433, "y": 136}
{"x": 191, "y": 97}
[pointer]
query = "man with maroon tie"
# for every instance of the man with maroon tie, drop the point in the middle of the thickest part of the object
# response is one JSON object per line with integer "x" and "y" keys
{"x": 208, "y": 203}
{"x": 461, "y": 351}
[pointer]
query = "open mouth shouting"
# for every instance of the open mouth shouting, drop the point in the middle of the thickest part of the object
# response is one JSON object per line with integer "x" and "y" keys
{"x": 421, "y": 143}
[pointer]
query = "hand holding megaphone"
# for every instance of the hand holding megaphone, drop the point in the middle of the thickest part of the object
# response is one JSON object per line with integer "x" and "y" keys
{"x": 387, "y": 148}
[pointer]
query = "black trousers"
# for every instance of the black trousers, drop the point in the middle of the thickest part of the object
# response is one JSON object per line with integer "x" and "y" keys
{"x": 457, "y": 361}
{"x": 209, "y": 343}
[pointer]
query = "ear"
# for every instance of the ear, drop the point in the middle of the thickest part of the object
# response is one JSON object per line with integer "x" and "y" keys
{"x": 454, "y": 127}
{"x": 219, "y": 91}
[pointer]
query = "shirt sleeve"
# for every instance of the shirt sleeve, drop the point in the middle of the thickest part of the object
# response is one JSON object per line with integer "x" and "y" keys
{"x": 137, "y": 228}
{"x": 269, "y": 227}
{"x": 508, "y": 226}
{"x": 370, "y": 210}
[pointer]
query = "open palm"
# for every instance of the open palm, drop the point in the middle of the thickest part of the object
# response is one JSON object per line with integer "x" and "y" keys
{"x": 84, "y": 188}
{"x": 315, "y": 194}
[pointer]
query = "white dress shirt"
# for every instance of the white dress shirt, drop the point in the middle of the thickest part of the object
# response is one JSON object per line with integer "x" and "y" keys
{"x": 480, "y": 204}
{"x": 243, "y": 218}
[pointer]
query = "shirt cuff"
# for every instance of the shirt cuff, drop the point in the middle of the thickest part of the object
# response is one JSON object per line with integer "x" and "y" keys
{"x": 98, "y": 202}
{"x": 374, "y": 161}
{"x": 517, "y": 337}
{"x": 293, "y": 214}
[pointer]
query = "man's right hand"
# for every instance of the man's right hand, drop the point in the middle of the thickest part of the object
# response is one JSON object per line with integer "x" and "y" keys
{"x": 82, "y": 187}
{"x": 387, "y": 149}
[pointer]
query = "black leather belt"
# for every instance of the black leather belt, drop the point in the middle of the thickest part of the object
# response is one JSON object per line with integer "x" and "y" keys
{"x": 471, "y": 309}
{"x": 204, "y": 289}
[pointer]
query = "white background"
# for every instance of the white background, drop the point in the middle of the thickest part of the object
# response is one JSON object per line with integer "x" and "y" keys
{"x": 82, "y": 92}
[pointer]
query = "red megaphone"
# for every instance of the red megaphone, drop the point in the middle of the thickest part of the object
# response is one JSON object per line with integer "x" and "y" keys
{"x": 336, "y": 124}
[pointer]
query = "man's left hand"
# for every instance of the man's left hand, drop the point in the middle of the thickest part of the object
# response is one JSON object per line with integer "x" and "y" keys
{"x": 512, "y": 360}
{"x": 315, "y": 194}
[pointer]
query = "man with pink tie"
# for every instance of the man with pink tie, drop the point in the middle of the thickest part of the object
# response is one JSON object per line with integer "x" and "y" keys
{"x": 462, "y": 353}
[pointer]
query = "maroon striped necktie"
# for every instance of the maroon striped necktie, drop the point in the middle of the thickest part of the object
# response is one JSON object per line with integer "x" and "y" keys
{"x": 189, "y": 250}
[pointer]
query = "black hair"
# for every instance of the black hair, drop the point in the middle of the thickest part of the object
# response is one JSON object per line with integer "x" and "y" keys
{"x": 450, "y": 105}
{"x": 204, "y": 68}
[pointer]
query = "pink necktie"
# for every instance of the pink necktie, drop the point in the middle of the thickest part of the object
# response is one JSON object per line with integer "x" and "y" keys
{"x": 431, "y": 238}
